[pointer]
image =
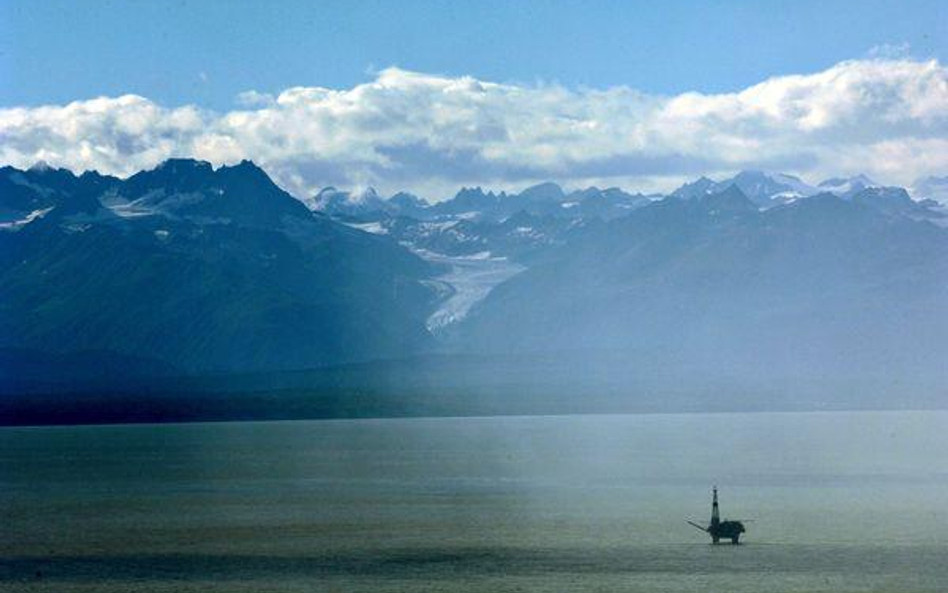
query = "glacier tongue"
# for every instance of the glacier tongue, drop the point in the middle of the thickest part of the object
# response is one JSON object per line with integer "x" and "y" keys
{"x": 470, "y": 280}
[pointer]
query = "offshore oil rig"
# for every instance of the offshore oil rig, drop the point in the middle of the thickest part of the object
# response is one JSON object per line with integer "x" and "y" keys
{"x": 719, "y": 529}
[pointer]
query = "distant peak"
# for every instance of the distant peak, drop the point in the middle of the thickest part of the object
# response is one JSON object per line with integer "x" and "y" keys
{"x": 246, "y": 171}
{"x": 751, "y": 173}
{"x": 932, "y": 179}
{"x": 543, "y": 191}
{"x": 820, "y": 200}
{"x": 886, "y": 193}
{"x": 247, "y": 164}
{"x": 469, "y": 191}
{"x": 404, "y": 195}
{"x": 730, "y": 199}
{"x": 700, "y": 186}
{"x": 545, "y": 185}
{"x": 182, "y": 163}
{"x": 244, "y": 166}
{"x": 732, "y": 190}
{"x": 860, "y": 179}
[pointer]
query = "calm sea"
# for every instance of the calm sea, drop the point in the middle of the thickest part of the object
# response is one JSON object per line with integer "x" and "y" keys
{"x": 834, "y": 502}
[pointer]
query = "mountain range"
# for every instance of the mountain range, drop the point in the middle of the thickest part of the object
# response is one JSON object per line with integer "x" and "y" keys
{"x": 822, "y": 287}
{"x": 759, "y": 284}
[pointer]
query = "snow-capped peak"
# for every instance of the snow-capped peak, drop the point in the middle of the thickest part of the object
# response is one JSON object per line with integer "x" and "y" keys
{"x": 843, "y": 186}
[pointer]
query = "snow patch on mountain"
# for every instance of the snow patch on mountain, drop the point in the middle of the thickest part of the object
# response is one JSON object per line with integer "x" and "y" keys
{"x": 375, "y": 228}
{"x": 843, "y": 186}
{"x": 14, "y": 225}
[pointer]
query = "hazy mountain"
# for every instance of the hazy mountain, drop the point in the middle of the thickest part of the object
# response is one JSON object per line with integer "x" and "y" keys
{"x": 896, "y": 201}
{"x": 764, "y": 189}
{"x": 520, "y": 236}
{"x": 821, "y": 287}
{"x": 406, "y": 204}
{"x": 545, "y": 199}
{"x": 335, "y": 202}
{"x": 697, "y": 188}
{"x": 471, "y": 201}
{"x": 843, "y": 186}
{"x": 543, "y": 192}
{"x": 933, "y": 188}
{"x": 767, "y": 190}
{"x": 771, "y": 189}
{"x": 199, "y": 269}
{"x": 520, "y": 226}
{"x": 603, "y": 204}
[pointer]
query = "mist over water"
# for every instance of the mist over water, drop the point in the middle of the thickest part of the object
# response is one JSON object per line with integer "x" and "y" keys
{"x": 836, "y": 501}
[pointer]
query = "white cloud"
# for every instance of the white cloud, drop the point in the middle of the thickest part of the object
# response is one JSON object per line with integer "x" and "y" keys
{"x": 885, "y": 116}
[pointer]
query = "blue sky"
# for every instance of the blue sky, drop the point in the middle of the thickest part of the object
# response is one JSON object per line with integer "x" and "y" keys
{"x": 206, "y": 52}
{"x": 429, "y": 96}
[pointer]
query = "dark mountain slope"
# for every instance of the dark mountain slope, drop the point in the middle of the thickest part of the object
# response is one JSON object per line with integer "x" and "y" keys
{"x": 207, "y": 271}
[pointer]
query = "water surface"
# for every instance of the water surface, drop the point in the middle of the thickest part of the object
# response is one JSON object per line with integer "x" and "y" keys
{"x": 838, "y": 502}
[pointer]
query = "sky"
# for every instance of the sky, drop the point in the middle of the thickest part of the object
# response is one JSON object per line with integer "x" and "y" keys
{"x": 428, "y": 96}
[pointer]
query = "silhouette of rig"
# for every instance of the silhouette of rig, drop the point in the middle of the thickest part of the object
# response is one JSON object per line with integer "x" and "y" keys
{"x": 719, "y": 529}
